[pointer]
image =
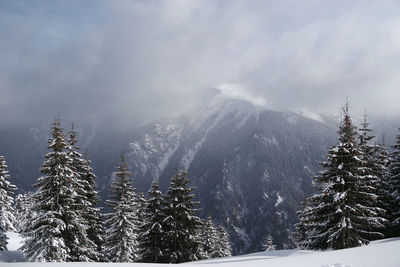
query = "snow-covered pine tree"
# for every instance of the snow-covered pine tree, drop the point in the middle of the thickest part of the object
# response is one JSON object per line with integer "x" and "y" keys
{"x": 23, "y": 210}
{"x": 3, "y": 239}
{"x": 141, "y": 217}
{"x": 223, "y": 247}
{"x": 268, "y": 244}
{"x": 92, "y": 215}
{"x": 209, "y": 237}
{"x": 374, "y": 173}
{"x": 150, "y": 238}
{"x": 120, "y": 238}
{"x": 385, "y": 198}
{"x": 56, "y": 226}
{"x": 82, "y": 247}
{"x": 339, "y": 215}
{"x": 394, "y": 185}
{"x": 181, "y": 225}
{"x": 7, "y": 219}
{"x": 301, "y": 227}
{"x": 141, "y": 209}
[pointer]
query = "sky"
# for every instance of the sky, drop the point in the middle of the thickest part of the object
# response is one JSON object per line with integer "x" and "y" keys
{"x": 147, "y": 59}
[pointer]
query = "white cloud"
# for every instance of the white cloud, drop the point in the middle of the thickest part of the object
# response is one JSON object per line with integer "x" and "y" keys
{"x": 152, "y": 58}
{"x": 237, "y": 91}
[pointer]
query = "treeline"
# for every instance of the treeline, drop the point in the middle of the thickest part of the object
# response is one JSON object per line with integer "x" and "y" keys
{"x": 60, "y": 221}
{"x": 358, "y": 198}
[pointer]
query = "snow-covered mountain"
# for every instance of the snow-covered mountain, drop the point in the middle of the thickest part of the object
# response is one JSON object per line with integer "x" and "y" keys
{"x": 251, "y": 165}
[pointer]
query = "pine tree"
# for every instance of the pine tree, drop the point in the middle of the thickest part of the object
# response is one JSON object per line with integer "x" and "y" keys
{"x": 92, "y": 214}
{"x": 55, "y": 225}
{"x": 3, "y": 239}
{"x": 121, "y": 236}
{"x": 223, "y": 247}
{"x": 141, "y": 219}
{"x": 141, "y": 210}
{"x": 374, "y": 173}
{"x": 268, "y": 244}
{"x": 383, "y": 191}
{"x": 23, "y": 210}
{"x": 150, "y": 238}
{"x": 82, "y": 247}
{"x": 181, "y": 224}
{"x": 209, "y": 237}
{"x": 340, "y": 215}
{"x": 7, "y": 190}
{"x": 394, "y": 185}
{"x": 301, "y": 227}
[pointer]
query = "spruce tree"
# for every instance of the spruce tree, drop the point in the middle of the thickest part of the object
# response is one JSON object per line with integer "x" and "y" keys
{"x": 223, "y": 246}
{"x": 181, "y": 224}
{"x": 92, "y": 214}
{"x": 23, "y": 210}
{"x": 340, "y": 215}
{"x": 209, "y": 236}
{"x": 301, "y": 227}
{"x": 7, "y": 190}
{"x": 268, "y": 244}
{"x": 84, "y": 247}
{"x": 121, "y": 235}
{"x": 150, "y": 238}
{"x": 374, "y": 173}
{"x": 383, "y": 191}
{"x": 394, "y": 185}
{"x": 56, "y": 227}
{"x": 3, "y": 239}
{"x": 141, "y": 210}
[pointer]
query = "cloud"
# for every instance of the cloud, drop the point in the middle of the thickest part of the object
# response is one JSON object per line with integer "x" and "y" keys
{"x": 146, "y": 59}
{"x": 236, "y": 91}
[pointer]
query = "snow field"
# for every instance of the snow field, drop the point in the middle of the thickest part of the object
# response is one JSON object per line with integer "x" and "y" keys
{"x": 382, "y": 253}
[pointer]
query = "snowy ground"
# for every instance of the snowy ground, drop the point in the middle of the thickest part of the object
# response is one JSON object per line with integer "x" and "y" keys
{"x": 385, "y": 253}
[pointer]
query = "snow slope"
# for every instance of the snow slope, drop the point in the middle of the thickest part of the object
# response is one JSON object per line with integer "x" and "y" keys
{"x": 383, "y": 253}
{"x": 378, "y": 253}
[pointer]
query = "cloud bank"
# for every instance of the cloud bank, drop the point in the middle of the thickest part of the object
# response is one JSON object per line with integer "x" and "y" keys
{"x": 150, "y": 58}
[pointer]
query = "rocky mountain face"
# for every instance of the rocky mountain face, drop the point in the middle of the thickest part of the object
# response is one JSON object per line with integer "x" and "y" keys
{"x": 251, "y": 166}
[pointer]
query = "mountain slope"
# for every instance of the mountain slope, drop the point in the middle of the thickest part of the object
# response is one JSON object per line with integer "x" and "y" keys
{"x": 251, "y": 166}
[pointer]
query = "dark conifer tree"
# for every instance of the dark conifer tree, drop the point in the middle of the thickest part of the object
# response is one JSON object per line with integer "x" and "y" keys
{"x": 3, "y": 239}
{"x": 223, "y": 246}
{"x": 394, "y": 185}
{"x": 121, "y": 235}
{"x": 374, "y": 173}
{"x": 301, "y": 227}
{"x": 268, "y": 244}
{"x": 150, "y": 238}
{"x": 209, "y": 237}
{"x": 340, "y": 215}
{"x": 141, "y": 210}
{"x": 84, "y": 249}
{"x": 181, "y": 225}
{"x": 7, "y": 219}
{"x": 383, "y": 191}
{"x": 56, "y": 227}
{"x": 92, "y": 214}
{"x": 23, "y": 210}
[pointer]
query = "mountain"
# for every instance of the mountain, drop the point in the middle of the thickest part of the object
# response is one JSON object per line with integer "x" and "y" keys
{"x": 251, "y": 166}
